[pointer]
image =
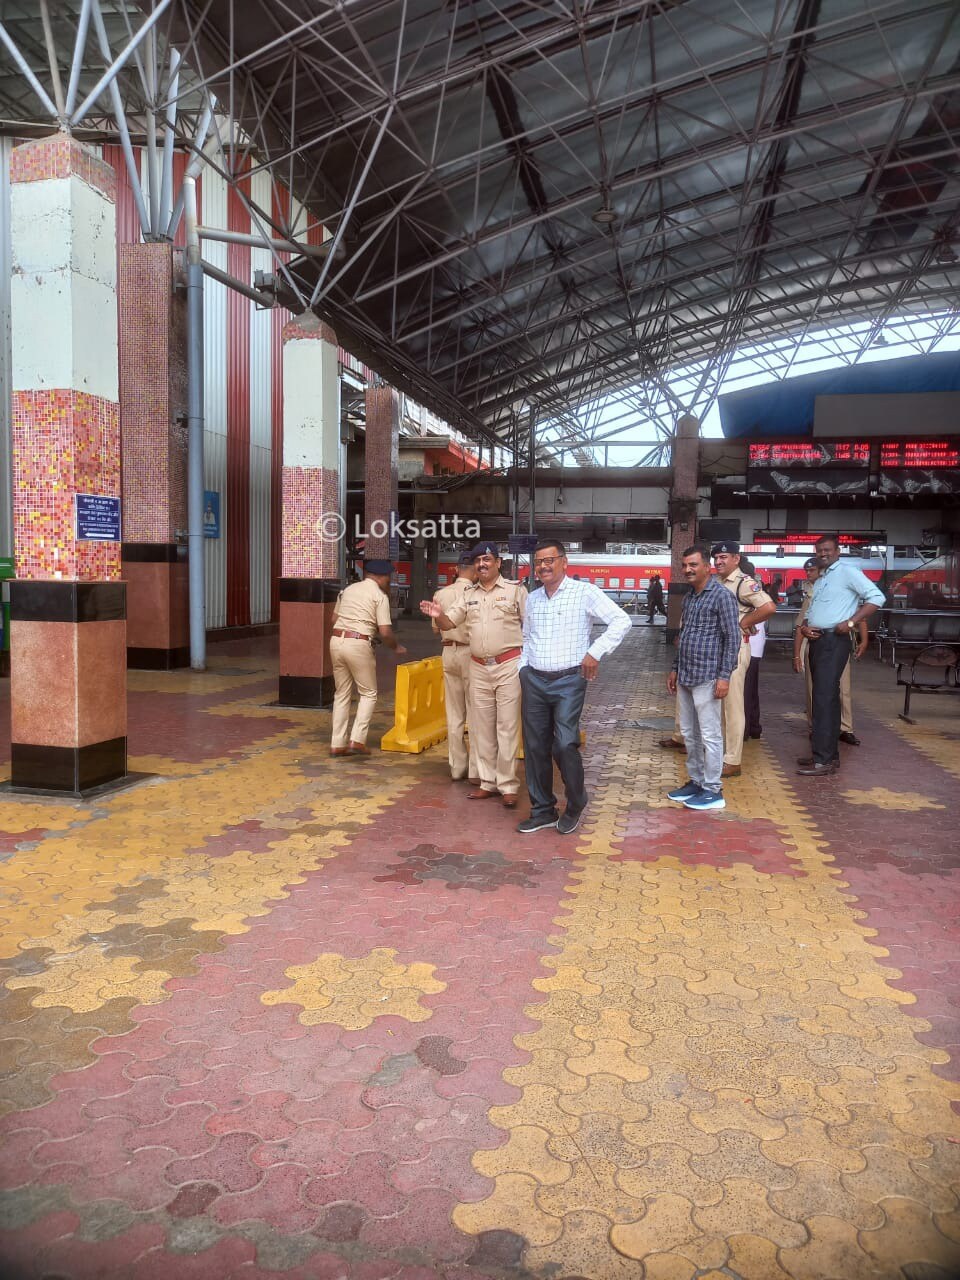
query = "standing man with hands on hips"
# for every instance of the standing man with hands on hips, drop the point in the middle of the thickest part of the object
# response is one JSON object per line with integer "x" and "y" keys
{"x": 491, "y": 611}
{"x": 707, "y": 653}
{"x": 842, "y": 597}
{"x": 558, "y": 661}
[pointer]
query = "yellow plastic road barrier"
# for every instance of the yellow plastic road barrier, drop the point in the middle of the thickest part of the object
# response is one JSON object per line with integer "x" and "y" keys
{"x": 420, "y": 717}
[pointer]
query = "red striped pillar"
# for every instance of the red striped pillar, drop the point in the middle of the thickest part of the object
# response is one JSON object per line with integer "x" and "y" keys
{"x": 68, "y": 629}
{"x": 312, "y": 526}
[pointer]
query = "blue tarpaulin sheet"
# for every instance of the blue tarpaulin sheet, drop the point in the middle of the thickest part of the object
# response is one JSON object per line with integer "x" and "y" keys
{"x": 786, "y": 408}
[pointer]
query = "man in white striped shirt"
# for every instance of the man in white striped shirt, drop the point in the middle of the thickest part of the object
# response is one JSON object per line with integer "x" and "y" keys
{"x": 558, "y": 659}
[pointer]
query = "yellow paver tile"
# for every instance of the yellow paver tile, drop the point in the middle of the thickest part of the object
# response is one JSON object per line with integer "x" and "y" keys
{"x": 746, "y": 1207}
{"x": 352, "y": 991}
{"x": 525, "y": 1151}
{"x": 666, "y": 1223}
{"x": 910, "y": 1235}
{"x": 512, "y": 1208}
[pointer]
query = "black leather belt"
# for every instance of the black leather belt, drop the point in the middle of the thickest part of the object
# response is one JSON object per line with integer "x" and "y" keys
{"x": 556, "y": 675}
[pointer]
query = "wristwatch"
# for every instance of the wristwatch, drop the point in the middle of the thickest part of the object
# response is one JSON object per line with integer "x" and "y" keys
{"x": 851, "y": 625}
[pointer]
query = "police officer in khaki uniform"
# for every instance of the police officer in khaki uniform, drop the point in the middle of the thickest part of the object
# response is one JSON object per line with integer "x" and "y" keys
{"x": 753, "y": 606}
{"x": 362, "y": 612}
{"x": 456, "y": 675}
{"x": 492, "y": 613}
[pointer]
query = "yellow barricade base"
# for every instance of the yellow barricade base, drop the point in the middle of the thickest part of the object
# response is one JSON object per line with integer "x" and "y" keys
{"x": 420, "y": 715}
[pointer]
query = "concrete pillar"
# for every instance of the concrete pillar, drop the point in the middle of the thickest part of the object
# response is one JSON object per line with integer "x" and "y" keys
{"x": 153, "y": 403}
{"x": 381, "y": 461}
{"x": 312, "y": 525}
{"x": 68, "y": 629}
{"x": 683, "y": 512}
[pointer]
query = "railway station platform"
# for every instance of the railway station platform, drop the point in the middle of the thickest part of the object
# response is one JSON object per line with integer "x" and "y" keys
{"x": 268, "y": 1013}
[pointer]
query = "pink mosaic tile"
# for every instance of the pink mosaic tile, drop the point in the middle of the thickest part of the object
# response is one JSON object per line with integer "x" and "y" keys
{"x": 61, "y": 156}
{"x": 311, "y": 526}
{"x": 153, "y": 389}
{"x": 63, "y": 442}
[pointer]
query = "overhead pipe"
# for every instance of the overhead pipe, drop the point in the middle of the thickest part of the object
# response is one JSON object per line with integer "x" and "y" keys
{"x": 262, "y": 242}
{"x": 195, "y": 540}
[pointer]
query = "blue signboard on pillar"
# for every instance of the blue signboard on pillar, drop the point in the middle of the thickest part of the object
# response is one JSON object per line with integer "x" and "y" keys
{"x": 393, "y": 544}
{"x": 211, "y": 513}
{"x": 522, "y": 544}
{"x": 98, "y": 518}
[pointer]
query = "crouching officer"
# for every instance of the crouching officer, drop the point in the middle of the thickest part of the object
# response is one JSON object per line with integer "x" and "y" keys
{"x": 456, "y": 675}
{"x": 362, "y": 612}
{"x": 753, "y": 606}
{"x": 491, "y": 612}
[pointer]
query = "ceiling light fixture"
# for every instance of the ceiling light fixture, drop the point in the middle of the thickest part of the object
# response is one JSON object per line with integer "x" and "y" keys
{"x": 605, "y": 216}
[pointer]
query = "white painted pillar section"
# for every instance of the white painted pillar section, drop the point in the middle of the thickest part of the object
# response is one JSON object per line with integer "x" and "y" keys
{"x": 312, "y": 527}
{"x": 213, "y": 212}
{"x": 312, "y": 524}
{"x": 261, "y": 423}
{"x": 6, "y": 357}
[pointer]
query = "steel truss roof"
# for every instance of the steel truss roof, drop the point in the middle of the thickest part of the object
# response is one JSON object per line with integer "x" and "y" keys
{"x": 546, "y": 203}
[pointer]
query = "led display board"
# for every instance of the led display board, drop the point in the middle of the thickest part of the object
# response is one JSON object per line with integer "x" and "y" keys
{"x": 792, "y": 538}
{"x": 785, "y": 455}
{"x": 901, "y": 455}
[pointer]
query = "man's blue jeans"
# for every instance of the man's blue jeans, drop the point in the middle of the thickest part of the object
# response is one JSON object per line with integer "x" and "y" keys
{"x": 701, "y": 724}
{"x": 551, "y": 731}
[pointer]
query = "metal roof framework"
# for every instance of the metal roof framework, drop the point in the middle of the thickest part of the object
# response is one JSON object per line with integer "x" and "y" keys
{"x": 548, "y": 206}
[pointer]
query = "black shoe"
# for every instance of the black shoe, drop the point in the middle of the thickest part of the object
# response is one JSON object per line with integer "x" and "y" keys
{"x": 814, "y": 770}
{"x": 569, "y": 822}
{"x": 529, "y": 825}
{"x": 758, "y": 734}
{"x": 850, "y": 739}
{"x": 806, "y": 761}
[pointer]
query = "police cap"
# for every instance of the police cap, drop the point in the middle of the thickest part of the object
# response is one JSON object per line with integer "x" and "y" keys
{"x": 812, "y": 563}
{"x": 485, "y": 549}
{"x": 467, "y": 557}
{"x": 382, "y": 568}
{"x": 725, "y": 548}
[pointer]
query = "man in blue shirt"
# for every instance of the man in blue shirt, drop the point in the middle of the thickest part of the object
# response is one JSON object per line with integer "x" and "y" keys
{"x": 842, "y": 596}
{"x": 707, "y": 653}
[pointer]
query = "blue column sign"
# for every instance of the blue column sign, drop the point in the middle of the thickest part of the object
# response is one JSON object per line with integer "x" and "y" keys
{"x": 98, "y": 518}
{"x": 211, "y": 513}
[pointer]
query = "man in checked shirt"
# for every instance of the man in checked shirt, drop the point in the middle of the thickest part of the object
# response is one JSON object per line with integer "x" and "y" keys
{"x": 558, "y": 659}
{"x": 707, "y": 654}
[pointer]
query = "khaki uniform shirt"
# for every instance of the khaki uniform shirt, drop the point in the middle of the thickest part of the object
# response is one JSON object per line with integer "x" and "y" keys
{"x": 492, "y": 618}
{"x": 362, "y": 607}
{"x": 804, "y": 605}
{"x": 448, "y": 598}
{"x": 747, "y": 592}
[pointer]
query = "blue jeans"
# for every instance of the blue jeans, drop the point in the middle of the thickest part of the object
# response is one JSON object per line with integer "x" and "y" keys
{"x": 551, "y": 731}
{"x": 701, "y": 724}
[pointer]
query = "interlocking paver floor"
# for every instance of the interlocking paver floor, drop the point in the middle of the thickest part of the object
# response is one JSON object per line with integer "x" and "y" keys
{"x": 273, "y": 1014}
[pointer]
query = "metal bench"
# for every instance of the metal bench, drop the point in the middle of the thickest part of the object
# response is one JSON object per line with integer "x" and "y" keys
{"x": 935, "y": 669}
{"x": 780, "y": 625}
{"x": 907, "y": 629}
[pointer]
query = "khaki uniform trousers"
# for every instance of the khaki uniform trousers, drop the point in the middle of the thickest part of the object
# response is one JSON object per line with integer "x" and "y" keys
{"x": 846, "y": 700}
{"x": 353, "y": 664}
{"x": 456, "y": 692}
{"x": 495, "y": 721}
{"x": 734, "y": 721}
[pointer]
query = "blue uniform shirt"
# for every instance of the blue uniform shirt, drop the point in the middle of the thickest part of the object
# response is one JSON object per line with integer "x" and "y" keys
{"x": 838, "y": 593}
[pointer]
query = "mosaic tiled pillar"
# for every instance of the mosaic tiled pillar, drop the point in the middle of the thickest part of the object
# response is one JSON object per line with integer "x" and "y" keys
{"x": 312, "y": 523}
{"x": 153, "y": 401}
{"x": 683, "y": 512}
{"x": 68, "y": 629}
{"x": 381, "y": 460}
